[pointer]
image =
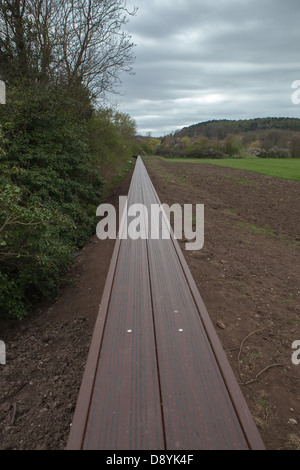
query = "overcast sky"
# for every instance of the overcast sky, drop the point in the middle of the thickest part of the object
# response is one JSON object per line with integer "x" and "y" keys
{"x": 198, "y": 60}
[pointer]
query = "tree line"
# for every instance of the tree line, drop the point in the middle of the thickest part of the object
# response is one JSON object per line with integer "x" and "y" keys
{"x": 222, "y": 128}
{"x": 58, "y": 141}
{"x": 263, "y": 138}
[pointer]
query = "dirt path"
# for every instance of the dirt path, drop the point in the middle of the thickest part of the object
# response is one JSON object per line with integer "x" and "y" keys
{"x": 247, "y": 273}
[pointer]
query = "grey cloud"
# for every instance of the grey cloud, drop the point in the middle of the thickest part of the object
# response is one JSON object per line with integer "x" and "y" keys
{"x": 199, "y": 60}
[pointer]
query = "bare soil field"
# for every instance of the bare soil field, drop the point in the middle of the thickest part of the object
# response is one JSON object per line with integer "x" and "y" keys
{"x": 248, "y": 276}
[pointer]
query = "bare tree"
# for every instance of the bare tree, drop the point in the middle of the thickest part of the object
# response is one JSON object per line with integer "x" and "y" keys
{"x": 13, "y": 47}
{"x": 45, "y": 16}
{"x": 74, "y": 41}
{"x": 95, "y": 49}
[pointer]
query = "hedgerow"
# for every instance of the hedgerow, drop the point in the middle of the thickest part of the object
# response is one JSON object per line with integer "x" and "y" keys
{"x": 50, "y": 187}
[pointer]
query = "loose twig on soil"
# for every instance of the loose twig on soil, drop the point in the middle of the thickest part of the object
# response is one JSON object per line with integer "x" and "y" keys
{"x": 13, "y": 417}
{"x": 257, "y": 376}
{"x": 239, "y": 364}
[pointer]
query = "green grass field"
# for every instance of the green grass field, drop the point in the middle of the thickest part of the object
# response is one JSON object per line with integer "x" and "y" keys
{"x": 287, "y": 168}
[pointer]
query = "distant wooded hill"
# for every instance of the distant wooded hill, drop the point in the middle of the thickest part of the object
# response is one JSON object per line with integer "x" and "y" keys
{"x": 261, "y": 137}
{"x": 220, "y": 129}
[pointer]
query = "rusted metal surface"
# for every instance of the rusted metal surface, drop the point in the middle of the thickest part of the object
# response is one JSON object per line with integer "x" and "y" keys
{"x": 157, "y": 377}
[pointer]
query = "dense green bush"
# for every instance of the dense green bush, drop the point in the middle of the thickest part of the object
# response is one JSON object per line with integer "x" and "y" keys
{"x": 169, "y": 151}
{"x": 55, "y": 147}
{"x": 295, "y": 146}
{"x": 33, "y": 253}
{"x": 111, "y": 136}
{"x": 274, "y": 153}
{"x": 52, "y": 157}
{"x": 198, "y": 152}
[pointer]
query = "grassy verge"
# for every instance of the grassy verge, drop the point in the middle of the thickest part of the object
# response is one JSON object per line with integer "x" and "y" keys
{"x": 287, "y": 168}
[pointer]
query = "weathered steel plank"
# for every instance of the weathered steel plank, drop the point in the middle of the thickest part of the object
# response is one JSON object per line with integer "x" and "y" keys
{"x": 157, "y": 376}
{"x": 120, "y": 408}
{"x": 196, "y": 379}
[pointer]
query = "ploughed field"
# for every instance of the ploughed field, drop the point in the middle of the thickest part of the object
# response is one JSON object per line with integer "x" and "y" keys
{"x": 248, "y": 276}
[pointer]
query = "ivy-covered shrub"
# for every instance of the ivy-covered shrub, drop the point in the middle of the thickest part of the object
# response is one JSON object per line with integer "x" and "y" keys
{"x": 33, "y": 253}
{"x": 50, "y": 187}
